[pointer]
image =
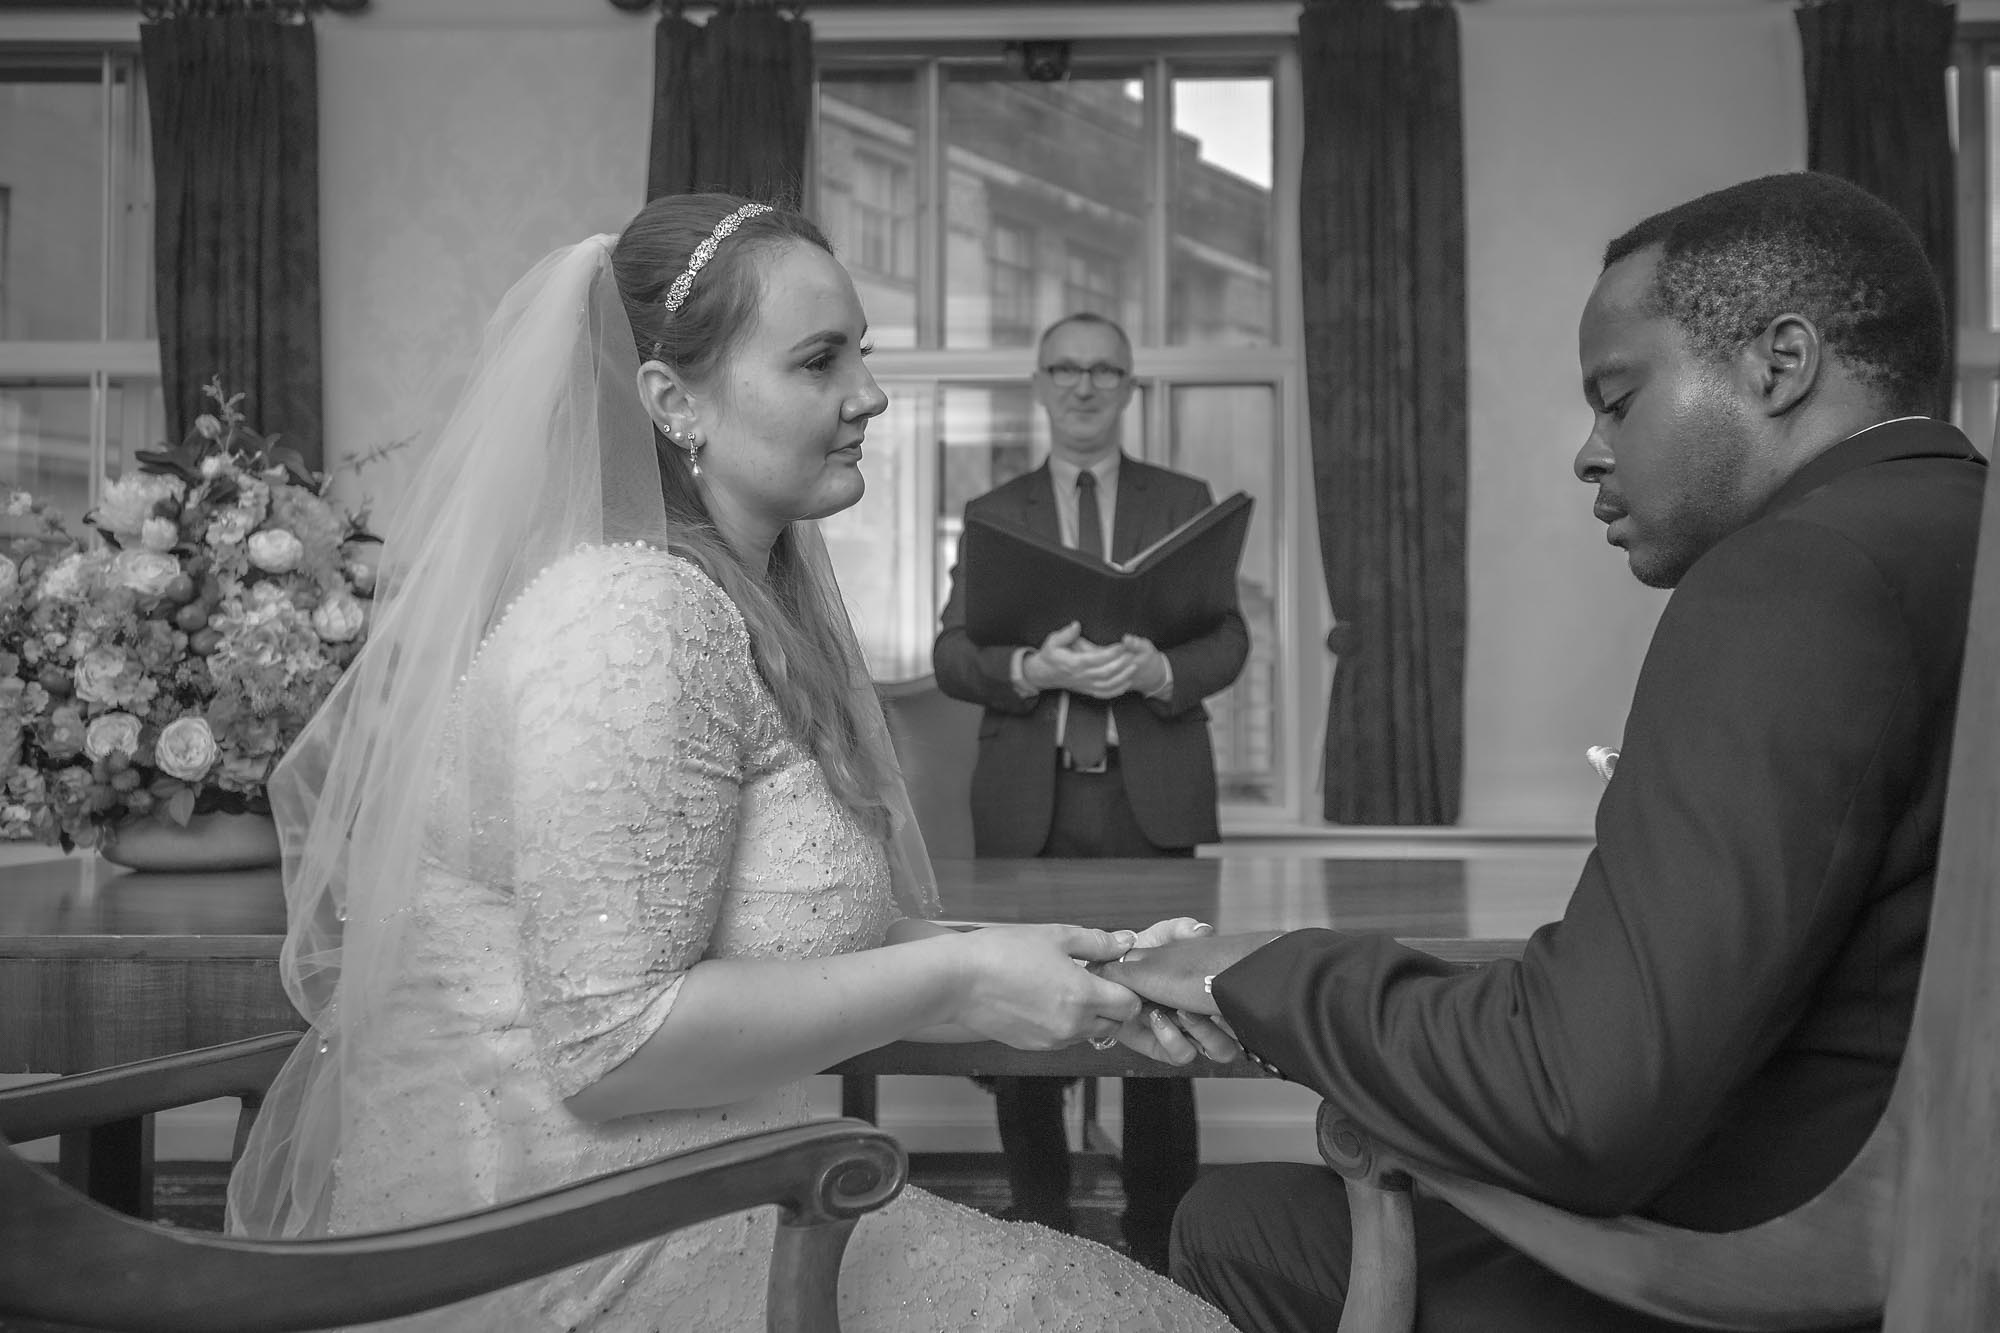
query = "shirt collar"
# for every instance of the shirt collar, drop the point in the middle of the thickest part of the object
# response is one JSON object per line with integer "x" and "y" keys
{"x": 1063, "y": 472}
{"x": 1885, "y": 441}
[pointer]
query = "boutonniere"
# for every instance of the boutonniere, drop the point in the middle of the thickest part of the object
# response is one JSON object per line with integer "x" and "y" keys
{"x": 1602, "y": 758}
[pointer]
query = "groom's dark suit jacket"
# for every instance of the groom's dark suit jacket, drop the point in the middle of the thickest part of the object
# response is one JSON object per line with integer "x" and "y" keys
{"x": 1711, "y": 1031}
{"x": 1166, "y": 760}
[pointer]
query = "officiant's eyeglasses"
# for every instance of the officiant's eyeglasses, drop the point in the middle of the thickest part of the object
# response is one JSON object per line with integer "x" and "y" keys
{"x": 1065, "y": 374}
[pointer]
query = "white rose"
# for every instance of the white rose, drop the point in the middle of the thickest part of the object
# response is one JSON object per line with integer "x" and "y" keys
{"x": 112, "y": 733}
{"x": 65, "y": 581}
{"x": 186, "y": 749}
{"x": 230, "y": 527}
{"x": 19, "y": 503}
{"x": 126, "y": 504}
{"x": 159, "y": 534}
{"x": 97, "y": 675}
{"x": 207, "y": 424}
{"x": 10, "y": 575}
{"x": 145, "y": 572}
{"x": 339, "y": 618}
{"x": 212, "y": 466}
{"x": 276, "y": 551}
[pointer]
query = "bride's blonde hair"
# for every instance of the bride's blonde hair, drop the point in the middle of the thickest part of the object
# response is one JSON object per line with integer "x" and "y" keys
{"x": 795, "y": 635}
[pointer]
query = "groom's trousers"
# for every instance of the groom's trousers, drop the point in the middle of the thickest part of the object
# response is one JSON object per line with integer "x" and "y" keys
{"x": 1268, "y": 1244}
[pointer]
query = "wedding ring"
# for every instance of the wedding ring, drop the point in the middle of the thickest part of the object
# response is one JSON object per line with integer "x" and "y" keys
{"x": 1103, "y": 1043}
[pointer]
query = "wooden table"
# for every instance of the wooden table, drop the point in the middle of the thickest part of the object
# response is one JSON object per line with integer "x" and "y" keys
{"x": 100, "y": 966}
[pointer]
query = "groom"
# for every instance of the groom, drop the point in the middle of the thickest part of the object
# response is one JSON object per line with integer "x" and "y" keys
{"x": 1711, "y": 1031}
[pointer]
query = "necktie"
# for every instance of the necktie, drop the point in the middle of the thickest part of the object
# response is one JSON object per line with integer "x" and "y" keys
{"x": 1089, "y": 518}
{"x": 1084, "y": 734}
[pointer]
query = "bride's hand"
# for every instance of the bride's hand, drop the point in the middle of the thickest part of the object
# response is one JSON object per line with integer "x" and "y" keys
{"x": 1022, "y": 985}
{"x": 1173, "y": 928}
{"x": 1176, "y": 1037}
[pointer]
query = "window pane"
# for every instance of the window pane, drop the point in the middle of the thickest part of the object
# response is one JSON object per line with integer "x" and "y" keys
{"x": 1047, "y": 186}
{"x": 875, "y": 544}
{"x": 45, "y": 444}
{"x": 1219, "y": 273}
{"x": 135, "y": 418}
{"x": 1228, "y": 435}
{"x": 52, "y": 155}
{"x": 1992, "y": 187}
{"x": 867, "y": 158}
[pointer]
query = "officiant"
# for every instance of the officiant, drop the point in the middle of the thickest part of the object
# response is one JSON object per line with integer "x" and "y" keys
{"x": 1093, "y": 749}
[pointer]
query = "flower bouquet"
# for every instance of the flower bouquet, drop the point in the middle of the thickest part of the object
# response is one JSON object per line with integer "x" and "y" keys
{"x": 158, "y": 669}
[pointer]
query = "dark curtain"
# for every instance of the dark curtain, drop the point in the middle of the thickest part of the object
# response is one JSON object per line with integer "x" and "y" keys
{"x": 234, "y": 95}
{"x": 1876, "y": 114}
{"x": 1382, "y": 225}
{"x": 732, "y": 104}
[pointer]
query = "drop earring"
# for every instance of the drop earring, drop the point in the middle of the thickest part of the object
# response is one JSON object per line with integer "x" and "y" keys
{"x": 692, "y": 443}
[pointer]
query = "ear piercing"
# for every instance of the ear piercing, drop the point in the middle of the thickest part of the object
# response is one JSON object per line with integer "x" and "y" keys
{"x": 692, "y": 442}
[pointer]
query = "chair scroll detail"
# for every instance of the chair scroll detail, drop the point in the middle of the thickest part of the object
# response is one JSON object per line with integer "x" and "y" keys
{"x": 67, "y": 1262}
{"x": 1382, "y": 1276}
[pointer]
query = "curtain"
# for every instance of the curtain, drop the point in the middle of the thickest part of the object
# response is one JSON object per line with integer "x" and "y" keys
{"x": 1876, "y": 114}
{"x": 234, "y": 97}
{"x": 732, "y": 104}
{"x": 1382, "y": 227}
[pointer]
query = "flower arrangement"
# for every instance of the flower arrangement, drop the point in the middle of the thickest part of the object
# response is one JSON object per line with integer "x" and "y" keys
{"x": 159, "y": 668}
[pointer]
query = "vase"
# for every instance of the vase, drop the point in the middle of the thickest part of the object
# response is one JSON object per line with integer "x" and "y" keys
{"x": 208, "y": 842}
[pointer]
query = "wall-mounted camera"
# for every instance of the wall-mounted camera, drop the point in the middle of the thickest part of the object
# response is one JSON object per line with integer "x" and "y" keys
{"x": 1044, "y": 62}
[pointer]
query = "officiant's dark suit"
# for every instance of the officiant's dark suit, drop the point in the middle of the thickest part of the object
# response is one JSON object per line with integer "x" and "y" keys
{"x": 1165, "y": 762}
{"x": 1711, "y": 1031}
{"x": 1140, "y": 783}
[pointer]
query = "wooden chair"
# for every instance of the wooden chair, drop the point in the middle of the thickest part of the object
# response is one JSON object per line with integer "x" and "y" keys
{"x": 67, "y": 1263}
{"x": 936, "y": 739}
{"x": 1910, "y": 1230}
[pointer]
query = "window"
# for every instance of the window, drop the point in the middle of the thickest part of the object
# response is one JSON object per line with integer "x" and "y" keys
{"x": 1092, "y": 281}
{"x": 1974, "y": 86}
{"x": 1010, "y": 269}
{"x": 79, "y": 360}
{"x": 1143, "y": 187}
{"x": 879, "y": 218}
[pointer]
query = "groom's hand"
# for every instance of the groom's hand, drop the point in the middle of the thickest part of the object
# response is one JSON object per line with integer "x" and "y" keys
{"x": 1173, "y": 974}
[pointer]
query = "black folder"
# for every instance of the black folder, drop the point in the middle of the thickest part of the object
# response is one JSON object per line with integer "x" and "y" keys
{"x": 1020, "y": 585}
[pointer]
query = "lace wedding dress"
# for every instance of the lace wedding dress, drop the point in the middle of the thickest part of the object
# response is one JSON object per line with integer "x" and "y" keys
{"x": 636, "y": 805}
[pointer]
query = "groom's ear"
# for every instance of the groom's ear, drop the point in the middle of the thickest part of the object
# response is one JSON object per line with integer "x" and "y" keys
{"x": 666, "y": 398}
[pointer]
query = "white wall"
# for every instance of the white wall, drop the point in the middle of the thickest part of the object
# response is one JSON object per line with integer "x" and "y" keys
{"x": 1581, "y": 118}
{"x": 460, "y": 141}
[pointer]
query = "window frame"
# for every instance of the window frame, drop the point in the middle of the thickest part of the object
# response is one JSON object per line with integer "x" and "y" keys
{"x": 1976, "y": 47}
{"x": 1203, "y": 37}
{"x": 114, "y": 361}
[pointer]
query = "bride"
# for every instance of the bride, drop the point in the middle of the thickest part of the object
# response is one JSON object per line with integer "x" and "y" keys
{"x": 599, "y": 849}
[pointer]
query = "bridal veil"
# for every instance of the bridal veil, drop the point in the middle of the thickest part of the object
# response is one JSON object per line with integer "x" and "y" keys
{"x": 548, "y": 449}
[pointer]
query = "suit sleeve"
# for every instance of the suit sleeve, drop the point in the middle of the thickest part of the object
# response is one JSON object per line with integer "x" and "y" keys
{"x": 967, "y": 671}
{"x": 1208, "y": 663}
{"x": 1765, "y": 759}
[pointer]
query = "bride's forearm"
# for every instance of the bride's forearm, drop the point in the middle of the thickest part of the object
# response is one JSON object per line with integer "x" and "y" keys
{"x": 742, "y": 1025}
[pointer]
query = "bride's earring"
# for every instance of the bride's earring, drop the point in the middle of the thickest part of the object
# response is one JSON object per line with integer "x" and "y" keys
{"x": 692, "y": 443}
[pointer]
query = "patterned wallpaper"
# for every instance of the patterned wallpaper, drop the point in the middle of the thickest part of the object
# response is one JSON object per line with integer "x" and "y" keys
{"x": 452, "y": 158}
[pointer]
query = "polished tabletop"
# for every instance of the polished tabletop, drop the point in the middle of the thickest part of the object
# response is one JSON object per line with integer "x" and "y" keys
{"x": 100, "y": 965}
{"x": 78, "y": 906}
